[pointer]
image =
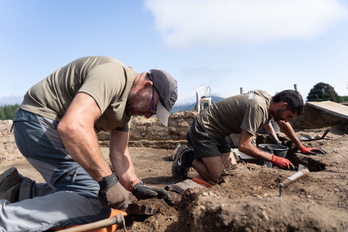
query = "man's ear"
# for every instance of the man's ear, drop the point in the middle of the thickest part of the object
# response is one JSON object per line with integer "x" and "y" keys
{"x": 148, "y": 83}
{"x": 283, "y": 105}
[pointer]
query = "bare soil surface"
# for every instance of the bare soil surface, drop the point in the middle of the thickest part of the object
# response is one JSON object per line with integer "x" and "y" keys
{"x": 245, "y": 200}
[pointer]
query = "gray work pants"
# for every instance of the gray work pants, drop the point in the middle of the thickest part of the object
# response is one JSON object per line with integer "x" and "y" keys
{"x": 69, "y": 196}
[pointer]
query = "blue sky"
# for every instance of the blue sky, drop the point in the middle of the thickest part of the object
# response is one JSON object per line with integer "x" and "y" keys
{"x": 227, "y": 44}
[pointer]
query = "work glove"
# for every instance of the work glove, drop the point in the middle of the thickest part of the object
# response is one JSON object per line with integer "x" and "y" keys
{"x": 141, "y": 191}
{"x": 112, "y": 194}
{"x": 312, "y": 150}
{"x": 281, "y": 162}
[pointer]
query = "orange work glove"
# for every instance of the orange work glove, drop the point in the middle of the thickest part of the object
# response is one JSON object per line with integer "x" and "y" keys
{"x": 281, "y": 162}
{"x": 311, "y": 150}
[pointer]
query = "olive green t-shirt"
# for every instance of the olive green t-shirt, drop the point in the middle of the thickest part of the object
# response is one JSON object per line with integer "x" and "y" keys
{"x": 105, "y": 79}
{"x": 247, "y": 112}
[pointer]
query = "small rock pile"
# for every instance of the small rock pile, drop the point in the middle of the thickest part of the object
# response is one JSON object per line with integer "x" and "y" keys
{"x": 8, "y": 148}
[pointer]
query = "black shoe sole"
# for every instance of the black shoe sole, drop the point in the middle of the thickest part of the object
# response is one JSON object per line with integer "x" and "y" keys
{"x": 183, "y": 171}
{"x": 9, "y": 178}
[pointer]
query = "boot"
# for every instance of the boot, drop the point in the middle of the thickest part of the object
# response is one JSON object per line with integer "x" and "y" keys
{"x": 10, "y": 182}
{"x": 182, "y": 163}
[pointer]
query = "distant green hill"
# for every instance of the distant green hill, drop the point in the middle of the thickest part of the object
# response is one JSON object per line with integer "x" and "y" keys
{"x": 190, "y": 107}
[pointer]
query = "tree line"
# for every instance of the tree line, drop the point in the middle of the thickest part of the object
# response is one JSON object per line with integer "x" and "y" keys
{"x": 8, "y": 111}
{"x": 325, "y": 92}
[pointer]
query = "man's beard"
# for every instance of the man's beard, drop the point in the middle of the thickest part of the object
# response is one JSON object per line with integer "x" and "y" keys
{"x": 277, "y": 115}
{"x": 134, "y": 105}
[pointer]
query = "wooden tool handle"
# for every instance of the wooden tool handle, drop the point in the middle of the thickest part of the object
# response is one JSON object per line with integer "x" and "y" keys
{"x": 295, "y": 177}
{"x": 118, "y": 219}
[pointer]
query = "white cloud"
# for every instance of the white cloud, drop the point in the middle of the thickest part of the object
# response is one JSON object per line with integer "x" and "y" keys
{"x": 187, "y": 23}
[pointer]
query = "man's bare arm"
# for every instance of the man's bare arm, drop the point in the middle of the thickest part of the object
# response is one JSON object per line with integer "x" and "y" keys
{"x": 76, "y": 130}
{"x": 248, "y": 148}
{"x": 270, "y": 131}
{"x": 245, "y": 145}
{"x": 287, "y": 129}
{"x": 120, "y": 158}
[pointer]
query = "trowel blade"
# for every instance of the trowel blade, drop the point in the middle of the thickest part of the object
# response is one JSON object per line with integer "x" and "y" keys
{"x": 301, "y": 167}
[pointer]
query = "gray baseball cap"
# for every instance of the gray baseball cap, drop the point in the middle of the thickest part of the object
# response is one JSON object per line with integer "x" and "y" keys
{"x": 167, "y": 89}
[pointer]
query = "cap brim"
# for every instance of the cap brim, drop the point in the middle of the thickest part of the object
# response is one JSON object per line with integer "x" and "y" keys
{"x": 162, "y": 114}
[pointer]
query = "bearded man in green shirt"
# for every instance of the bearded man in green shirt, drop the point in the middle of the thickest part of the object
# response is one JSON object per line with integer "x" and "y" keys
{"x": 55, "y": 129}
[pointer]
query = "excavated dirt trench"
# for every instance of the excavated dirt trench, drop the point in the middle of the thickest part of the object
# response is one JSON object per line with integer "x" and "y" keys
{"x": 246, "y": 199}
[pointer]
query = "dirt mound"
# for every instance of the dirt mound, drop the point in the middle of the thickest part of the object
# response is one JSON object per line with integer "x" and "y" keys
{"x": 245, "y": 200}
